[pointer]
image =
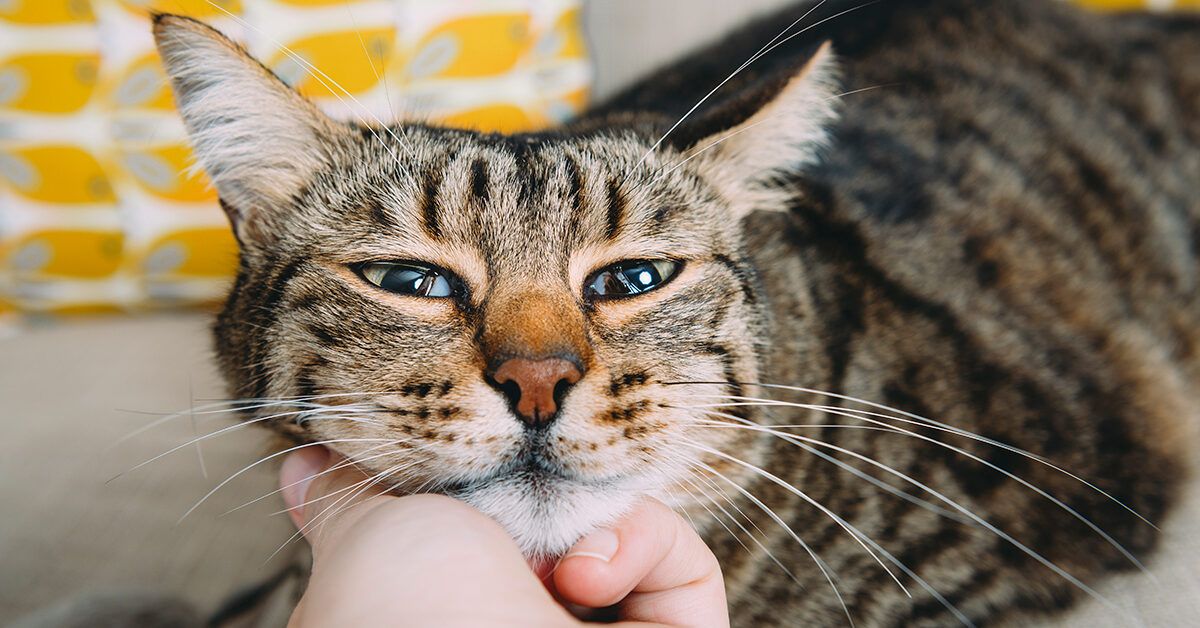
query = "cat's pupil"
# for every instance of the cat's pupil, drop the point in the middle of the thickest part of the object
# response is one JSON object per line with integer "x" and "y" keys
{"x": 642, "y": 277}
{"x": 406, "y": 280}
{"x": 630, "y": 278}
{"x": 409, "y": 279}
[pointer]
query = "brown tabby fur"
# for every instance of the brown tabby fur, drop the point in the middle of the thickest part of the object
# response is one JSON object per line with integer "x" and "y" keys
{"x": 1002, "y": 234}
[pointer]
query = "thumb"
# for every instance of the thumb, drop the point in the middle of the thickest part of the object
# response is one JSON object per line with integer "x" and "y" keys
{"x": 653, "y": 565}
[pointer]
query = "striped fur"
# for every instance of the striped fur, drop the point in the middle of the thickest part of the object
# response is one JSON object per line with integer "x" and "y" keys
{"x": 1002, "y": 232}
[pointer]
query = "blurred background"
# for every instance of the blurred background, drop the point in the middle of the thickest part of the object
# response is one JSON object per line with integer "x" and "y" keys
{"x": 113, "y": 252}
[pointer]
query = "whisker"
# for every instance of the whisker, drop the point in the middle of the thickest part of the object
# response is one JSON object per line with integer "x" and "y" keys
{"x": 897, "y": 562}
{"x": 739, "y": 525}
{"x": 271, "y": 457}
{"x": 927, "y": 423}
{"x": 713, "y": 485}
{"x": 239, "y": 405}
{"x": 842, "y": 523}
{"x": 381, "y": 77}
{"x": 380, "y": 477}
{"x": 821, "y": 565}
{"x": 300, "y": 532}
{"x": 913, "y": 499}
{"x": 740, "y": 130}
{"x": 365, "y": 484}
{"x": 692, "y": 522}
{"x": 1074, "y": 513}
{"x": 816, "y": 24}
{"x": 340, "y": 465}
{"x": 205, "y": 437}
{"x": 398, "y": 468}
{"x": 196, "y": 430}
{"x": 953, "y": 504}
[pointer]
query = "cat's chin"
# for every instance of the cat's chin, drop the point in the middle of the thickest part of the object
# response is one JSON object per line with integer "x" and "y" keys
{"x": 547, "y": 515}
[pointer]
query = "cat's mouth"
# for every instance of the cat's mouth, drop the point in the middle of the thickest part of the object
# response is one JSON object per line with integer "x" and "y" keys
{"x": 533, "y": 466}
{"x": 545, "y": 506}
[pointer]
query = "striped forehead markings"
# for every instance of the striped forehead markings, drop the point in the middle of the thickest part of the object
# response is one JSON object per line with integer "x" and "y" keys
{"x": 429, "y": 203}
{"x": 380, "y": 213}
{"x": 575, "y": 194}
{"x": 479, "y": 179}
{"x": 574, "y": 184}
{"x": 616, "y": 209}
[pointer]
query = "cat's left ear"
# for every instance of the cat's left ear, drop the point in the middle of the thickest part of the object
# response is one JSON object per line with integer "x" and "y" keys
{"x": 785, "y": 134}
{"x": 259, "y": 141}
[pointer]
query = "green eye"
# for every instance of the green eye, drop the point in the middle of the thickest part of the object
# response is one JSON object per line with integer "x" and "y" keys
{"x": 412, "y": 278}
{"x": 628, "y": 278}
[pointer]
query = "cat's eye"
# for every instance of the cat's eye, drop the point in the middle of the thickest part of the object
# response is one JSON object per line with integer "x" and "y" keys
{"x": 629, "y": 278}
{"x": 411, "y": 278}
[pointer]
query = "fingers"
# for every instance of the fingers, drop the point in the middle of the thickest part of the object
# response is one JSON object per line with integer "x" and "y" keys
{"x": 405, "y": 560}
{"x": 653, "y": 564}
{"x": 413, "y": 557}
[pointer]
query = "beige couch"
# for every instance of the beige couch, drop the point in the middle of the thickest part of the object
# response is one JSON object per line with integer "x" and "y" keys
{"x": 69, "y": 392}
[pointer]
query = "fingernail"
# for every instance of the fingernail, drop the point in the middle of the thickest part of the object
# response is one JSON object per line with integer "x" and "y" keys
{"x": 299, "y": 471}
{"x": 601, "y": 544}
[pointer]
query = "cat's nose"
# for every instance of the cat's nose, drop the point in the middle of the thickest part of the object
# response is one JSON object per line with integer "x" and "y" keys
{"x": 536, "y": 386}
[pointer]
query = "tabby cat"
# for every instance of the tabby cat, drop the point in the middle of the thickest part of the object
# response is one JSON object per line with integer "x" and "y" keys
{"x": 909, "y": 303}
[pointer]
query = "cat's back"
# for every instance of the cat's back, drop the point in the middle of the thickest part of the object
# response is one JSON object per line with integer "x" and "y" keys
{"x": 1028, "y": 163}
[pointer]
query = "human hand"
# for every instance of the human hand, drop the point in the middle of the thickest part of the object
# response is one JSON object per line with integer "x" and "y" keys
{"x": 429, "y": 560}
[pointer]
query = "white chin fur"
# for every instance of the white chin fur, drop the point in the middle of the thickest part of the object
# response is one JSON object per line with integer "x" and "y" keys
{"x": 547, "y": 517}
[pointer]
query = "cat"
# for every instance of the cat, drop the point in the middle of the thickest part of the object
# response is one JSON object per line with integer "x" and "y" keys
{"x": 905, "y": 316}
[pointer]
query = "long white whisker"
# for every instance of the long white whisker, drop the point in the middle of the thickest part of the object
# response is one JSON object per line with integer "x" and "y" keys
{"x": 381, "y": 77}
{"x": 300, "y": 532}
{"x": 713, "y": 485}
{"x": 816, "y": 24}
{"x": 270, "y": 457}
{"x": 953, "y": 504}
{"x": 195, "y": 440}
{"x": 396, "y": 469}
{"x": 380, "y": 477}
{"x": 340, "y": 465}
{"x": 196, "y": 430}
{"x": 365, "y": 484}
{"x": 913, "y": 499}
{"x": 927, "y": 423}
{"x": 238, "y": 405}
{"x": 1074, "y": 513}
{"x": 743, "y": 129}
{"x": 854, "y": 532}
{"x": 825, "y": 570}
{"x": 739, "y": 525}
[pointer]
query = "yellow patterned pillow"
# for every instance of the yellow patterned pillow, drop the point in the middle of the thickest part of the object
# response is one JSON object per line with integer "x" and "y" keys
{"x": 98, "y": 209}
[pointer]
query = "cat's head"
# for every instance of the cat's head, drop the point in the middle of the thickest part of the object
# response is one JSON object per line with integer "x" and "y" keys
{"x": 521, "y": 321}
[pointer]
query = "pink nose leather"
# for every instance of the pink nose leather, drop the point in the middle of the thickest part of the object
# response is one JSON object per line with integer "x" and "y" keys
{"x": 536, "y": 381}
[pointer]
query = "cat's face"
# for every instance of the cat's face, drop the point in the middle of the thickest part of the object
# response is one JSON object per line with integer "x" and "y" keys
{"x": 528, "y": 323}
{"x": 413, "y": 286}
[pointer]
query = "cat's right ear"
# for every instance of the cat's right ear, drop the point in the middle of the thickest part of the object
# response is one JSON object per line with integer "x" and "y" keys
{"x": 258, "y": 140}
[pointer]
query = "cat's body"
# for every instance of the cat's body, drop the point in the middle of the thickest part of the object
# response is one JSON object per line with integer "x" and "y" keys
{"x": 1001, "y": 234}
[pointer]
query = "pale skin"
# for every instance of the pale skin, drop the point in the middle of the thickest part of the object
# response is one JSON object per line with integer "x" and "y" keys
{"x": 429, "y": 560}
